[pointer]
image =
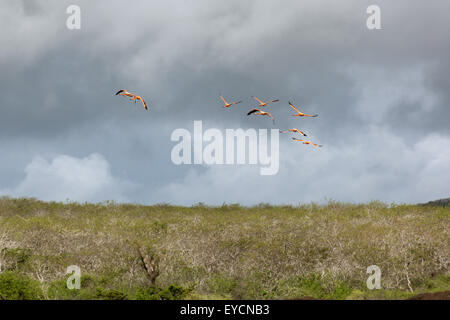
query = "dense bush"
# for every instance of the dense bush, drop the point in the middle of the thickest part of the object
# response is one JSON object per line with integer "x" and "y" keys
{"x": 172, "y": 292}
{"x": 111, "y": 294}
{"x": 230, "y": 251}
{"x": 14, "y": 286}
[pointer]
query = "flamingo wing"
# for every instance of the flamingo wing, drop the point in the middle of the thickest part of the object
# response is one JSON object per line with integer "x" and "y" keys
{"x": 143, "y": 103}
{"x": 257, "y": 99}
{"x": 223, "y": 99}
{"x": 292, "y": 106}
{"x": 253, "y": 111}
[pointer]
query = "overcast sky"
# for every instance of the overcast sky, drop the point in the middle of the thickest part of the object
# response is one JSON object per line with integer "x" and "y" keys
{"x": 383, "y": 99}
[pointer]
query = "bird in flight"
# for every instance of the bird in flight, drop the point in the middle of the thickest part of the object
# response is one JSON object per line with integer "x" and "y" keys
{"x": 301, "y": 114}
{"x": 307, "y": 142}
{"x": 294, "y": 130}
{"x": 227, "y": 105}
{"x": 123, "y": 92}
{"x": 260, "y": 113}
{"x": 263, "y": 104}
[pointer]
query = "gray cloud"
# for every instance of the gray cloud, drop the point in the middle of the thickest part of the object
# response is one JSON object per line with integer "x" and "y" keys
{"x": 382, "y": 95}
{"x": 68, "y": 178}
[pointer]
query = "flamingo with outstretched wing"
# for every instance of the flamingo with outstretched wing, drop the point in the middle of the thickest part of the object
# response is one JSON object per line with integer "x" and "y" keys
{"x": 123, "y": 92}
{"x": 259, "y": 112}
{"x": 307, "y": 142}
{"x": 263, "y": 104}
{"x": 301, "y": 114}
{"x": 294, "y": 130}
{"x": 228, "y": 104}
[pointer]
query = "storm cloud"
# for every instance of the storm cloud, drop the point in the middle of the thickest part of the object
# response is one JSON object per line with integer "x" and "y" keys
{"x": 382, "y": 97}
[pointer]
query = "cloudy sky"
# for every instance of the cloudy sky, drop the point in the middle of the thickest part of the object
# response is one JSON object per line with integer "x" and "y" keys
{"x": 383, "y": 99}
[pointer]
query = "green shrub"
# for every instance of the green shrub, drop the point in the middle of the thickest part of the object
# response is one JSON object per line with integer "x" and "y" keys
{"x": 222, "y": 285}
{"x": 88, "y": 289}
{"x": 15, "y": 259}
{"x": 318, "y": 287}
{"x": 172, "y": 292}
{"x": 14, "y": 286}
{"x": 107, "y": 294}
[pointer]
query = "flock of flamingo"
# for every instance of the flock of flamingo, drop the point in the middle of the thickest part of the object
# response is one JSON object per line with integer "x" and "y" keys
{"x": 254, "y": 111}
{"x": 259, "y": 112}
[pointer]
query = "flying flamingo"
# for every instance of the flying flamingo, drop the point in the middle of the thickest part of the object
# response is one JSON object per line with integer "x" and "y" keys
{"x": 294, "y": 130}
{"x": 260, "y": 113}
{"x": 263, "y": 104}
{"x": 307, "y": 142}
{"x": 227, "y": 105}
{"x": 123, "y": 92}
{"x": 301, "y": 114}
